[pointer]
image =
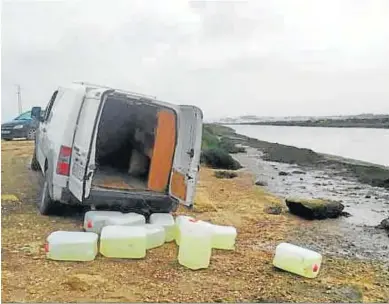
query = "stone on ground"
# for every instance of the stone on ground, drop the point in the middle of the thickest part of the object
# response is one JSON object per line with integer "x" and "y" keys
{"x": 260, "y": 183}
{"x": 274, "y": 210}
{"x": 225, "y": 174}
{"x": 384, "y": 224}
{"x": 314, "y": 208}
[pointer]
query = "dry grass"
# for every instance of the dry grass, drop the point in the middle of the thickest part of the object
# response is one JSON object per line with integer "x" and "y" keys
{"x": 245, "y": 274}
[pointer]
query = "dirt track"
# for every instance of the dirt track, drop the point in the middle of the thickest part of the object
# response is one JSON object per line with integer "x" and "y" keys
{"x": 243, "y": 275}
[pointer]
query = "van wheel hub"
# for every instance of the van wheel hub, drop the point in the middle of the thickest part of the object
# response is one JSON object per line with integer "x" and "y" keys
{"x": 31, "y": 134}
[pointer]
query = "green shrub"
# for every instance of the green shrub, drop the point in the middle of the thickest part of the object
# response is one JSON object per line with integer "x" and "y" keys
{"x": 217, "y": 158}
{"x": 230, "y": 147}
{"x": 213, "y": 139}
{"x": 209, "y": 140}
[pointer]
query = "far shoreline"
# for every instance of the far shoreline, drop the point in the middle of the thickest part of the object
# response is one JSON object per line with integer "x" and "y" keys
{"x": 317, "y": 124}
{"x": 372, "y": 174}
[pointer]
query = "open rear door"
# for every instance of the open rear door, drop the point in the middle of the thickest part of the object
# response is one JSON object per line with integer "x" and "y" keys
{"x": 187, "y": 154}
{"x": 84, "y": 144}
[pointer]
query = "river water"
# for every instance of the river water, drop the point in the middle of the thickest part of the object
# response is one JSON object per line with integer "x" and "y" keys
{"x": 369, "y": 145}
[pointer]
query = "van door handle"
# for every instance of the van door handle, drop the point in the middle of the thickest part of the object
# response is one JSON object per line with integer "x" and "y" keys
{"x": 87, "y": 177}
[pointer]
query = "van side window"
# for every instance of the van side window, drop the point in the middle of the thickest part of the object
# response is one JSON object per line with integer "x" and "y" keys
{"x": 50, "y": 106}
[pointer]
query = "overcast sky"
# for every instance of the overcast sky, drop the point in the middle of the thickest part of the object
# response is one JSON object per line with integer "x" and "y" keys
{"x": 230, "y": 58}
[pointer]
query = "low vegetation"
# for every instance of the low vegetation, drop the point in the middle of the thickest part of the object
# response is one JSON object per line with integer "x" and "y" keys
{"x": 217, "y": 158}
{"x": 216, "y": 149}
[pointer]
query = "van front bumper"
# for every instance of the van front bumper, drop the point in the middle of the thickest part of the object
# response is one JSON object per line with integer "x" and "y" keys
{"x": 146, "y": 202}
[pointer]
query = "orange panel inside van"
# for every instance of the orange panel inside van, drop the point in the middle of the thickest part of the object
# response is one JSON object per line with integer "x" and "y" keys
{"x": 163, "y": 151}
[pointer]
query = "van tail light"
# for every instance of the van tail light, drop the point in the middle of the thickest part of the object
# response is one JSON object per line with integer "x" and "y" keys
{"x": 63, "y": 164}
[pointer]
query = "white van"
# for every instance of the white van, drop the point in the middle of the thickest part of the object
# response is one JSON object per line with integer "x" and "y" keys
{"x": 101, "y": 146}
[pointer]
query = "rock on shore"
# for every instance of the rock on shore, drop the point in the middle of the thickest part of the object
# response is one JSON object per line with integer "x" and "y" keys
{"x": 314, "y": 208}
{"x": 384, "y": 224}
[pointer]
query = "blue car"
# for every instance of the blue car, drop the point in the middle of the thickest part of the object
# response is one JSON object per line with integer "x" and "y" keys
{"x": 23, "y": 126}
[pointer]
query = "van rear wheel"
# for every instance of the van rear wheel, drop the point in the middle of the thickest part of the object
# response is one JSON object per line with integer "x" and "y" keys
{"x": 45, "y": 204}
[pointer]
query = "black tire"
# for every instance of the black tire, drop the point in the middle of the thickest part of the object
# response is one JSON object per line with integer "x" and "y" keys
{"x": 45, "y": 203}
{"x": 31, "y": 134}
{"x": 34, "y": 163}
{"x": 7, "y": 139}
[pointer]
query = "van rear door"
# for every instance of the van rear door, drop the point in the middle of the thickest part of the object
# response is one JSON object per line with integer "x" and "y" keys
{"x": 186, "y": 161}
{"x": 84, "y": 144}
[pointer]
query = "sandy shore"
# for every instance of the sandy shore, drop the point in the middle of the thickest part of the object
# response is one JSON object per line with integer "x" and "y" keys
{"x": 243, "y": 275}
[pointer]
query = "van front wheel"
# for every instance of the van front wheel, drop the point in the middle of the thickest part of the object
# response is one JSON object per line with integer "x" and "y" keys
{"x": 34, "y": 163}
{"x": 45, "y": 204}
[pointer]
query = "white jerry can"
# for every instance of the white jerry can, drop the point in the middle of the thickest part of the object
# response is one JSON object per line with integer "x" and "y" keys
{"x": 126, "y": 219}
{"x": 178, "y": 222}
{"x": 94, "y": 221}
{"x": 223, "y": 237}
{"x": 71, "y": 246}
{"x": 155, "y": 236}
{"x": 297, "y": 260}
{"x": 123, "y": 242}
{"x": 165, "y": 220}
{"x": 195, "y": 245}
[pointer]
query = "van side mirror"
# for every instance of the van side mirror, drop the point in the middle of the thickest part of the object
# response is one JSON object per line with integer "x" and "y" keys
{"x": 36, "y": 113}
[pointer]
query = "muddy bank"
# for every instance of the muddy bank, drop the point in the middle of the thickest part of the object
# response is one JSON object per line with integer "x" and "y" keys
{"x": 371, "y": 174}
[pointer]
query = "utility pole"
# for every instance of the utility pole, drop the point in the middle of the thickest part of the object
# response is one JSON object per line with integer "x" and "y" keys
{"x": 19, "y": 99}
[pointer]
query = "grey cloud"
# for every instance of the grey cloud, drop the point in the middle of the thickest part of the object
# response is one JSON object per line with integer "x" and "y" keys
{"x": 258, "y": 57}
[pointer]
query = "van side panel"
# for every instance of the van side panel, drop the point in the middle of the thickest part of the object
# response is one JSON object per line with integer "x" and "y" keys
{"x": 163, "y": 151}
{"x": 60, "y": 131}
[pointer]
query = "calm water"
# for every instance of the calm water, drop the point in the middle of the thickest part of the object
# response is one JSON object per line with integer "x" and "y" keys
{"x": 370, "y": 145}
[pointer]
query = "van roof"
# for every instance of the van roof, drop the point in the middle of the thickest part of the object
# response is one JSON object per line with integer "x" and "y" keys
{"x": 141, "y": 97}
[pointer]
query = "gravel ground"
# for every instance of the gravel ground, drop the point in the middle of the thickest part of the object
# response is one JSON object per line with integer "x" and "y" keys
{"x": 245, "y": 274}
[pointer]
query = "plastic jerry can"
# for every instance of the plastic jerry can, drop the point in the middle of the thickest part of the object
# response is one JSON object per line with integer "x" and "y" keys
{"x": 123, "y": 242}
{"x": 155, "y": 236}
{"x": 126, "y": 219}
{"x": 179, "y": 220}
{"x": 195, "y": 245}
{"x": 71, "y": 246}
{"x": 297, "y": 260}
{"x": 165, "y": 220}
{"x": 94, "y": 221}
{"x": 223, "y": 237}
